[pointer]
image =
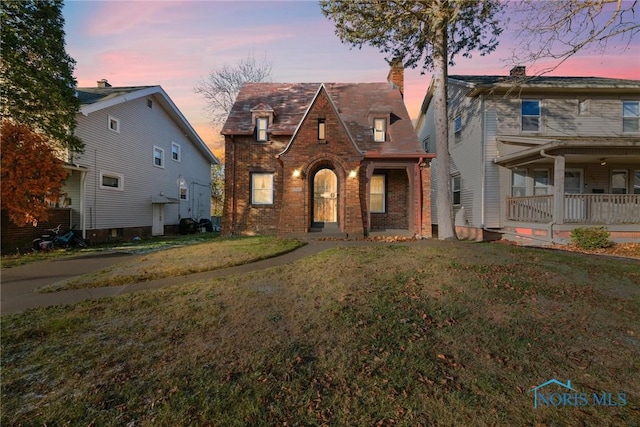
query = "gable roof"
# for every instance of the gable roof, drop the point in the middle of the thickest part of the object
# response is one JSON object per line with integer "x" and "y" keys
{"x": 355, "y": 104}
{"x": 546, "y": 83}
{"x": 94, "y": 99}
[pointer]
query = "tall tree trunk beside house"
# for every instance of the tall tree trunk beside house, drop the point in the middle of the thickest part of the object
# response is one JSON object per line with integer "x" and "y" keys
{"x": 429, "y": 33}
{"x": 444, "y": 207}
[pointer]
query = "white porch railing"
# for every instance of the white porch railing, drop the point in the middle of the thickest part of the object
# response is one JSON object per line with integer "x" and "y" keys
{"x": 530, "y": 209}
{"x": 602, "y": 208}
{"x": 588, "y": 209}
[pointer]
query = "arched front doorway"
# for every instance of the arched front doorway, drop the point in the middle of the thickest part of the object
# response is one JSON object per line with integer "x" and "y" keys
{"x": 325, "y": 197}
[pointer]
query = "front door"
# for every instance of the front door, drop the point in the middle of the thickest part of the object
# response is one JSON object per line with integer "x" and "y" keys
{"x": 157, "y": 228}
{"x": 325, "y": 197}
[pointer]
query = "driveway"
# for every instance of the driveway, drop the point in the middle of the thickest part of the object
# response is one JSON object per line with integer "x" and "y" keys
{"x": 19, "y": 285}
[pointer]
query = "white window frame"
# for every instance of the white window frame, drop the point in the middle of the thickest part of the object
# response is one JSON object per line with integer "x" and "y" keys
{"x": 584, "y": 107}
{"x": 157, "y": 149}
{"x": 528, "y": 117}
{"x": 185, "y": 187}
{"x": 625, "y": 173}
{"x": 456, "y": 189}
{"x": 457, "y": 124}
{"x": 382, "y": 193}
{"x": 262, "y": 129}
{"x": 521, "y": 173}
{"x": 175, "y": 149}
{"x": 265, "y": 197}
{"x": 581, "y": 183}
{"x": 109, "y": 174}
{"x": 379, "y": 129}
{"x": 113, "y": 124}
{"x": 630, "y": 118}
{"x": 545, "y": 187}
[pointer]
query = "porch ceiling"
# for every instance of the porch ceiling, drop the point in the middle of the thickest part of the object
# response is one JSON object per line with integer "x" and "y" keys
{"x": 621, "y": 152}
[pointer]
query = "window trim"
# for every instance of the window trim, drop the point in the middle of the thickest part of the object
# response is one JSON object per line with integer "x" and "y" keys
{"x": 383, "y": 193}
{"x": 253, "y": 195}
{"x": 109, "y": 174}
{"x": 547, "y": 187}
{"x": 116, "y": 121}
{"x": 179, "y": 152}
{"x": 626, "y": 118}
{"x": 161, "y": 151}
{"x": 626, "y": 180}
{"x": 523, "y": 173}
{"x": 523, "y": 115}
{"x": 260, "y": 130}
{"x": 456, "y": 178}
{"x": 457, "y": 124}
{"x": 379, "y": 134}
{"x": 322, "y": 129}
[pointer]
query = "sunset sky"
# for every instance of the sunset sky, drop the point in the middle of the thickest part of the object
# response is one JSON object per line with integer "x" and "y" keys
{"x": 175, "y": 44}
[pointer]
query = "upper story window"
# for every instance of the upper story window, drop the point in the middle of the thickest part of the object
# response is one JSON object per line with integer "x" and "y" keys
{"x": 261, "y": 188}
{"x": 175, "y": 152}
{"x": 262, "y": 123}
{"x": 457, "y": 124}
{"x": 377, "y": 194}
{"x": 583, "y": 107}
{"x": 379, "y": 130}
{"x": 530, "y": 115}
{"x": 158, "y": 157}
{"x": 322, "y": 129}
{"x": 149, "y": 103}
{"x": 114, "y": 124}
{"x": 631, "y": 116}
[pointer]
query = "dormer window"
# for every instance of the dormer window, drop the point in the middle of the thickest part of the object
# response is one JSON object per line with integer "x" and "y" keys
{"x": 262, "y": 116}
{"x": 262, "y": 124}
{"x": 379, "y": 129}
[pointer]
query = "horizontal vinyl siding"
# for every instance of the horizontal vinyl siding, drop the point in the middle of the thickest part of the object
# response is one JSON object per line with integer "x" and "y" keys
{"x": 492, "y": 171}
{"x": 560, "y": 116}
{"x": 130, "y": 153}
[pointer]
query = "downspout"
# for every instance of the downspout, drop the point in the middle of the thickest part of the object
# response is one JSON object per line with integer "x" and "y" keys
{"x": 233, "y": 187}
{"x": 483, "y": 157}
{"x": 83, "y": 216}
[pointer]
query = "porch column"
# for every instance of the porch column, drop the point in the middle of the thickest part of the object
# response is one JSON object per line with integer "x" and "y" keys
{"x": 558, "y": 189}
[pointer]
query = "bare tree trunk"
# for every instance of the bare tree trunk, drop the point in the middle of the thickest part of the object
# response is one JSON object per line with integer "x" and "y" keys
{"x": 444, "y": 208}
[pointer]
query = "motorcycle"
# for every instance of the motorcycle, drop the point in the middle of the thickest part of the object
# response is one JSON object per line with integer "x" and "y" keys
{"x": 55, "y": 240}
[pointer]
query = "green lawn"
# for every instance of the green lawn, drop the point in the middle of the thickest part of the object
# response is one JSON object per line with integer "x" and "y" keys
{"x": 429, "y": 333}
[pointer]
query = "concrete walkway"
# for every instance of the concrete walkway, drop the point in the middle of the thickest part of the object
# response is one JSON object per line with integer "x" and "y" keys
{"x": 19, "y": 285}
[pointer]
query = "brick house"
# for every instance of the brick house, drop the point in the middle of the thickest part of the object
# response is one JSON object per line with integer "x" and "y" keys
{"x": 335, "y": 158}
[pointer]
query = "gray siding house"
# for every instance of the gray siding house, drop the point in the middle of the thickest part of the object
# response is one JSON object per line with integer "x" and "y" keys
{"x": 143, "y": 167}
{"x": 534, "y": 157}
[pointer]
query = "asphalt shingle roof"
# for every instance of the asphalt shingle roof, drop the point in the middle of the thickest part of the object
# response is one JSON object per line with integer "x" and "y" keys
{"x": 355, "y": 102}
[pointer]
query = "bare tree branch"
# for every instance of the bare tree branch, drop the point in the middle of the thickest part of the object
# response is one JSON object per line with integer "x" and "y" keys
{"x": 556, "y": 30}
{"x": 222, "y": 85}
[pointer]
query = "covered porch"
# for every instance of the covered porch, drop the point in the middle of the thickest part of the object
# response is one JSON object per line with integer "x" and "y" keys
{"x": 559, "y": 185}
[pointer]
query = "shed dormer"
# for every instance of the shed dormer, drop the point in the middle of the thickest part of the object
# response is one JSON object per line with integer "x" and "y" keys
{"x": 262, "y": 116}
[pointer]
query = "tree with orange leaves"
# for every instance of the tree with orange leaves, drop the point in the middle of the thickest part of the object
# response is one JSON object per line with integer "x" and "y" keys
{"x": 31, "y": 174}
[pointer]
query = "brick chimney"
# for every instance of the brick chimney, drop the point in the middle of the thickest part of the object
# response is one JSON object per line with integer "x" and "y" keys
{"x": 518, "y": 71}
{"x": 103, "y": 83}
{"x": 396, "y": 76}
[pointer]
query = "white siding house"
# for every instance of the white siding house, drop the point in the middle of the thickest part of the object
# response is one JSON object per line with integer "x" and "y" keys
{"x": 536, "y": 157}
{"x": 143, "y": 167}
